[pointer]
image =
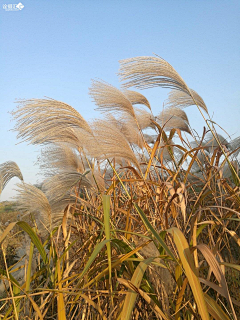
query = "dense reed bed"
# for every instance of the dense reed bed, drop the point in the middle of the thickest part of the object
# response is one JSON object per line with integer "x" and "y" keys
{"x": 138, "y": 217}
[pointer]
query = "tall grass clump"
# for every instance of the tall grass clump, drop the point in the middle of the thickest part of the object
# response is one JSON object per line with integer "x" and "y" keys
{"x": 137, "y": 218}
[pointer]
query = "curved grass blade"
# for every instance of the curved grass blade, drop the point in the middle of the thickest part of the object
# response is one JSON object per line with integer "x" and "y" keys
{"x": 150, "y": 228}
{"x": 145, "y": 296}
{"x": 35, "y": 239}
{"x": 106, "y": 211}
{"x": 190, "y": 270}
{"x": 214, "y": 309}
{"x": 131, "y": 296}
{"x": 93, "y": 256}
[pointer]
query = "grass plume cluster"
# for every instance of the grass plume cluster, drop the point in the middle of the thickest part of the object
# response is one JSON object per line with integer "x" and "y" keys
{"x": 133, "y": 220}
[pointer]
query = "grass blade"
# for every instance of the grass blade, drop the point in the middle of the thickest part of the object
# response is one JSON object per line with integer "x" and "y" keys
{"x": 132, "y": 296}
{"x": 190, "y": 270}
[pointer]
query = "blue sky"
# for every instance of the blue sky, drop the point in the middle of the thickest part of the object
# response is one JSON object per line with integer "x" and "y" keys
{"x": 54, "y": 48}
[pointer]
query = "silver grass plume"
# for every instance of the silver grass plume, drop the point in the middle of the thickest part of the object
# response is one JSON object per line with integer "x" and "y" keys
{"x": 47, "y": 120}
{"x": 170, "y": 121}
{"x": 181, "y": 99}
{"x": 202, "y": 156}
{"x": 149, "y": 72}
{"x": 57, "y": 186}
{"x": 111, "y": 143}
{"x": 1, "y": 183}
{"x": 174, "y": 112}
{"x": 150, "y": 139}
{"x": 9, "y": 170}
{"x": 128, "y": 127}
{"x": 57, "y": 157}
{"x": 60, "y": 157}
{"x": 60, "y": 205}
{"x": 137, "y": 98}
{"x": 226, "y": 171}
{"x": 30, "y": 199}
{"x": 210, "y": 143}
{"x": 144, "y": 118}
{"x": 109, "y": 98}
{"x": 234, "y": 145}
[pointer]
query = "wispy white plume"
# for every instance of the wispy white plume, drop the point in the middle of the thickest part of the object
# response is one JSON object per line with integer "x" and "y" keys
{"x": 32, "y": 200}
{"x": 235, "y": 145}
{"x": 9, "y": 170}
{"x": 57, "y": 186}
{"x": 111, "y": 143}
{"x": 48, "y": 120}
{"x": 137, "y": 98}
{"x": 148, "y": 72}
{"x": 168, "y": 120}
{"x": 109, "y": 98}
{"x": 144, "y": 118}
{"x": 174, "y": 112}
{"x": 58, "y": 157}
{"x": 181, "y": 99}
{"x": 211, "y": 143}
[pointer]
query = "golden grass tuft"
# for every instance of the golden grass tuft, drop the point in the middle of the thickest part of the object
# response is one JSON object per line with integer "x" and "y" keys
{"x": 127, "y": 224}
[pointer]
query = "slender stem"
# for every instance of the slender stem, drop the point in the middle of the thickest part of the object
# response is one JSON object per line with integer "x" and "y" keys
{"x": 10, "y": 285}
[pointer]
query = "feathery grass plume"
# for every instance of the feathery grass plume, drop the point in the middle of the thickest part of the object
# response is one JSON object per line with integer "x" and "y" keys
{"x": 9, "y": 170}
{"x": 234, "y": 145}
{"x": 57, "y": 186}
{"x": 1, "y": 183}
{"x": 180, "y": 99}
{"x": 47, "y": 120}
{"x": 148, "y": 72}
{"x": 57, "y": 157}
{"x": 210, "y": 143}
{"x": 175, "y": 112}
{"x": 60, "y": 157}
{"x": 150, "y": 139}
{"x": 128, "y": 127}
{"x": 137, "y": 98}
{"x": 109, "y": 98}
{"x": 58, "y": 206}
{"x": 169, "y": 121}
{"x": 202, "y": 156}
{"x": 32, "y": 200}
{"x": 226, "y": 171}
{"x": 144, "y": 118}
{"x": 112, "y": 142}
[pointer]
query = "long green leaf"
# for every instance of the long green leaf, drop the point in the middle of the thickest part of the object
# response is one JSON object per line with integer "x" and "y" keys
{"x": 153, "y": 231}
{"x": 93, "y": 256}
{"x": 106, "y": 211}
{"x": 35, "y": 239}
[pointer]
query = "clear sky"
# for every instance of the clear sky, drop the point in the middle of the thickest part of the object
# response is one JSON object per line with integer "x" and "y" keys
{"x": 54, "y": 48}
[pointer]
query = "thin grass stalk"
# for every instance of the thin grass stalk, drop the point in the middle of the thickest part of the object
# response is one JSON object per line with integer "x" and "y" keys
{"x": 29, "y": 268}
{"x": 10, "y": 284}
{"x": 106, "y": 210}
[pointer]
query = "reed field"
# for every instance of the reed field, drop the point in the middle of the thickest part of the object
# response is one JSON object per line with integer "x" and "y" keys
{"x": 138, "y": 215}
